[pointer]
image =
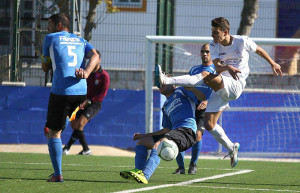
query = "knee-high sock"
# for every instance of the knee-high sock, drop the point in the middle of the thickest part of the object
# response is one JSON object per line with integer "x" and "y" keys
{"x": 185, "y": 80}
{"x": 75, "y": 135}
{"x": 219, "y": 134}
{"x": 141, "y": 154}
{"x": 55, "y": 151}
{"x": 82, "y": 141}
{"x": 195, "y": 152}
{"x": 151, "y": 164}
{"x": 180, "y": 160}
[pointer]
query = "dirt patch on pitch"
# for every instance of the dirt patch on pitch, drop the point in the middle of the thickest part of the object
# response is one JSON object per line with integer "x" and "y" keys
{"x": 43, "y": 148}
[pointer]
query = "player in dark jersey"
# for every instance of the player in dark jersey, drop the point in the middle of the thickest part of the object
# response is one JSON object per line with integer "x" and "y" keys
{"x": 97, "y": 87}
{"x": 64, "y": 52}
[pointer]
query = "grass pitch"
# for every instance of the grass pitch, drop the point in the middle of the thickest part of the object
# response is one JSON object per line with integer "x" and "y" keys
{"x": 26, "y": 172}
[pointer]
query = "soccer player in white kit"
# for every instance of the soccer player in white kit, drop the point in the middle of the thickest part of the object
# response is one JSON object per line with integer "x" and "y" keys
{"x": 230, "y": 55}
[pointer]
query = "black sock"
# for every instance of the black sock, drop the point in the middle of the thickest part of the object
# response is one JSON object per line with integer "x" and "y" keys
{"x": 82, "y": 141}
{"x": 75, "y": 135}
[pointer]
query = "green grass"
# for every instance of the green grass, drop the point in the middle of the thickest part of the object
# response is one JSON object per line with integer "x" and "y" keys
{"x": 24, "y": 172}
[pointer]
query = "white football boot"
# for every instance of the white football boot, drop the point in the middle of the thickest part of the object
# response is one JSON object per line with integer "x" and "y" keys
{"x": 160, "y": 77}
{"x": 234, "y": 154}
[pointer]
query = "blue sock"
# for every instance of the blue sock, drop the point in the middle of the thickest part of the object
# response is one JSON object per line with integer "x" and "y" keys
{"x": 55, "y": 151}
{"x": 180, "y": 160}
{"x": 151, "y": 164}
{"x": 196, "y": 151}
{"x": 141, "y": 154}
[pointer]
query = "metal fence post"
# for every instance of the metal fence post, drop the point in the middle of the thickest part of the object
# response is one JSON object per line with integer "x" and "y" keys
{"x": 15, "y": 40}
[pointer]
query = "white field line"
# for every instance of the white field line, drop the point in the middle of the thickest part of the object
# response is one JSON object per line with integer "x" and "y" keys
{"x": 187, "y": 182}
{"x": 249, "y": 189}
{"x": 17, "y": 163}
{"x": 220, "y": 157}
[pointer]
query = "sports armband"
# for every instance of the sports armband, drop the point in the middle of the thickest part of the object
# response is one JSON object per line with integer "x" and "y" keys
{"x": 46, "y": 59}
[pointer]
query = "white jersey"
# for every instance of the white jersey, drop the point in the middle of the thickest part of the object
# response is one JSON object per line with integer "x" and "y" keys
{"x": 236, "y": 54}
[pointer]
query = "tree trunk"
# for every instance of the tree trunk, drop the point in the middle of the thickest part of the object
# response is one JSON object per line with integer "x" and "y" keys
{"x": 249, "y": 14}
{"x": 64, "y": 6}
{"x": 90, "y": 24}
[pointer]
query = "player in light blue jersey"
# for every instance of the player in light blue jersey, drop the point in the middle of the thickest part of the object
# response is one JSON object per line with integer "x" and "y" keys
{"x": 179, "y": 125}
{"x": 208, "y": 66}
{"x": 64, "y": 52}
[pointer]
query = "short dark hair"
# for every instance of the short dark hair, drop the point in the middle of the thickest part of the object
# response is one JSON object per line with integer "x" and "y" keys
{"x": 206, "y": 44}
{"x": 62, "y": 18}
{"x": 221, "y": 23}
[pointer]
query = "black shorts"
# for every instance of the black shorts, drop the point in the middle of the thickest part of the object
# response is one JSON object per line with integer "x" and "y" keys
{"x": 90, "y": 111}
{"x": 59, "y": 107}
{"x": 200, "y": 115}
{"x": 183, "y": 137}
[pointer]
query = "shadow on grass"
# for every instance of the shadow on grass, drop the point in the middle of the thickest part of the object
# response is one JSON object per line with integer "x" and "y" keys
{"x": 65, "y": 180}
{"x": 43, "y": 169}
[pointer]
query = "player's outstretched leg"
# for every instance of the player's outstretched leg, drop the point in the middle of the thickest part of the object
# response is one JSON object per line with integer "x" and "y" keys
{"x": 234, "y": 154}
{"x": 159, "y": 77}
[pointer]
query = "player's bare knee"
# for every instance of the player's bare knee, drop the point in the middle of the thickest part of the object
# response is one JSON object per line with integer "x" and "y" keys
{"x": 74, "y": 124}
{"x": 142, "y": 141}
{"x": 209, "y": 126}
{"x": 82, "y": 123}
{"x": 198, "y": 136}
{"x": 147, "y": 142}
{"x": 54, "y": 133}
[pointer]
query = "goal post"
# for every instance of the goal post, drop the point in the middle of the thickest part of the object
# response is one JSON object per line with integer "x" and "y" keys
{"x": 184, "y": 52}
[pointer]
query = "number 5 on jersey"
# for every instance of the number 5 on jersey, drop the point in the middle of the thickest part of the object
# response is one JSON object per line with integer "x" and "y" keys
{"x": 73, "y": 54}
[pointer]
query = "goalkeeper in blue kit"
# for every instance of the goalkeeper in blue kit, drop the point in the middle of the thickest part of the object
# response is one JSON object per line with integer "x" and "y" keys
{"x": 64, "y": 52}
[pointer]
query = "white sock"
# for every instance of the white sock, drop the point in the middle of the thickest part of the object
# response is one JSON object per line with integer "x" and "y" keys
{"x": 219, "y": 134}
{"x": 185, "y": 80}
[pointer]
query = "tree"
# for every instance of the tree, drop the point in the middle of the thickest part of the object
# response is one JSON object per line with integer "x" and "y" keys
{"x": 90, "y": 24}
{"x": 90, "y": 19}
{"x": 249, "y": 14}
{"x": 64, "y": 6}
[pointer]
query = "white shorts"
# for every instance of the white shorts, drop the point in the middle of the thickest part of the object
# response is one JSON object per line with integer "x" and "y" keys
{"x": 218, "y": 101}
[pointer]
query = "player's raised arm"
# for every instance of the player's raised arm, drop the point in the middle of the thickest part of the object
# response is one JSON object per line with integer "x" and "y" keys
{"x": 275, "y": 67}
